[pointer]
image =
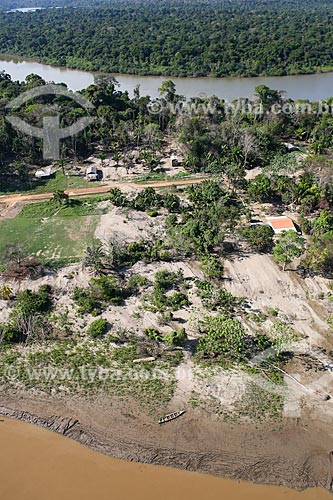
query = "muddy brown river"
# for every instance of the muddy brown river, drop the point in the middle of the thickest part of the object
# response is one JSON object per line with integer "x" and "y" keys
{"x": 36, "y": 464}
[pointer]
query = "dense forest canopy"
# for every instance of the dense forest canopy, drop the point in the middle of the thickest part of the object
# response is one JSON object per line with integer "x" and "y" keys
{"x": 177, "y": 38}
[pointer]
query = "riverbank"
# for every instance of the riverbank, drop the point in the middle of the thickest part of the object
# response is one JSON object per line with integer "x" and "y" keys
{"x": 316, "y": 86}
{"x": 36, "y": 464}
{"x": 290, "y": 453}
{"x": 21, "y": 58}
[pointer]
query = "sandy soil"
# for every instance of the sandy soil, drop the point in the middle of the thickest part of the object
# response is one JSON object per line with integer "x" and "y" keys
{"x": 126, "y": 226}
{"x": 262, "y": 281}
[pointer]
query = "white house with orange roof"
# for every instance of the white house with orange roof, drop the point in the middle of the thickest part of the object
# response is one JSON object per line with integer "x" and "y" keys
{"x": 281, "y": 224}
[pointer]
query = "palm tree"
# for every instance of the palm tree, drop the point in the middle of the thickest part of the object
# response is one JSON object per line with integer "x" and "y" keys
{"x": 61, "y": 163}
{"x": 102, "y": 157}
{"x": 60, "y": 197}
{"x": 116, "y": 158}
{"x": 94, "y": 259}
{"x": 149, "y": 159}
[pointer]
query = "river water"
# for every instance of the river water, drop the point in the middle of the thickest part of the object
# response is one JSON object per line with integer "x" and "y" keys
{"x": 36, "y": 464}
{"x": 313, "y": 87}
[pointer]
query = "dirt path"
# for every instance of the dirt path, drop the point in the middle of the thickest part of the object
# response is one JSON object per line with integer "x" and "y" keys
{"x": 96, "y": 190}
{"x": 11, "y": 210}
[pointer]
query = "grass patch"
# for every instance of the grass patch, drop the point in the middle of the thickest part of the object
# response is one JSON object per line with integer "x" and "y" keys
{"x": 37, "y": 186}
{"x": 51, "y": 232}
{"x": 86, "y": 366}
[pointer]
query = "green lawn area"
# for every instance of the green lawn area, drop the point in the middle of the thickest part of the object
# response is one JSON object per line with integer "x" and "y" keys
{"x": 52, "y": 233}
{"x": 60, "y": 181}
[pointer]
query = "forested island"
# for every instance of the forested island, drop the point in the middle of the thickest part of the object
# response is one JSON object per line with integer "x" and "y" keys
{"x": 177, "y": 38}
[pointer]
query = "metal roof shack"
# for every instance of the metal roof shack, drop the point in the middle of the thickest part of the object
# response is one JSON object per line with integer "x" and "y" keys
{"x": 43, "y": 174}
{"x": 174, "y": 161}
{"x": 281, "y": 224}
{"x": 91, "y": 174}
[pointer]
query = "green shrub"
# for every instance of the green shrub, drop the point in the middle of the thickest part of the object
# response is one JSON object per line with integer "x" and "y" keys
{"x": 177, "y": 301}
{"x": 153, "y": 334}
{"x": 212, "y": 267}
{"x": 135, "y": 282}
{"x": 87, "y": 304}
{"x": 215, "y": 298}
{"x": 259, "y": 238}
{"x": 29, "y": 302}
{"x": 166, "y": 279}
{"x": 176, "y": 337}
{"x": 98, "y": 328}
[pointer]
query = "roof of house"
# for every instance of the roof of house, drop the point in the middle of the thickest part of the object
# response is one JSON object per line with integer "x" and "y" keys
{"x": 43, "y": 173}
{"x": 281, "y": 223}
{"x": 91, "y": 170}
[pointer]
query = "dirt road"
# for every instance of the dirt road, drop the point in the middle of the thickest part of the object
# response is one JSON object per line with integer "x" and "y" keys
{"x": 96, "y": 190}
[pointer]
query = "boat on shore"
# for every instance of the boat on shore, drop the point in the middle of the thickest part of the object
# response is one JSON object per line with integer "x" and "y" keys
{"x": 171, "y": 416}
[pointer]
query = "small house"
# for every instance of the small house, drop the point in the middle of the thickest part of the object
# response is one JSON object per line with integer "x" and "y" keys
{"x": 174, "y": 161}
{"x": 43, "y": 174}
{"x": 281, "y": 224}
{"x": 291, "y": 147}
{"x": 91, "y": 174}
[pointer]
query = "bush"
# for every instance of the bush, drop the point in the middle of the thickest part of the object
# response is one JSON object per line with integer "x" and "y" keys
{"x": 147, "y": 199}
{"x": 86, "y": 303}
{"x": 135, "y": 282}
{"x": 176, "y": 337}
{"x": 212, "y": 267}
{"x": 166, "y": 279}
{"x": 223, "y": 338}
{"x": 215, "y": 298}
{"x": 259, "y": 238}
{"x": 153, "y": 334}
{"x": 177, "y": 301}
{"x": 106, "y": 289}
{"x": 98, "y": 328}
{"x": 29, "y": 302}
{"x": 118, "y": 198}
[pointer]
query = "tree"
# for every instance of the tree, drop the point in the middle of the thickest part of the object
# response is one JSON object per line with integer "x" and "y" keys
{"x": 116, "y": 158}
{"x": 323, "y": 223}
{"x": 28, "y": 318}
{"x": 61, "y": 163}
{"x": 260, "y": 189}
{"x": 60, "y": 197}
{"x": 267, "y": 96}
{"x": 319, "y": 256}
{"x": 94, "y": 258}
{"x": 168, "y": 91}
{"x": 260, "y": 238}
{"x": 206, "y": 194}
{"x": 149, "y": 159}
{"x": 102, "y": 158}
{"x": 289, "y": 246}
